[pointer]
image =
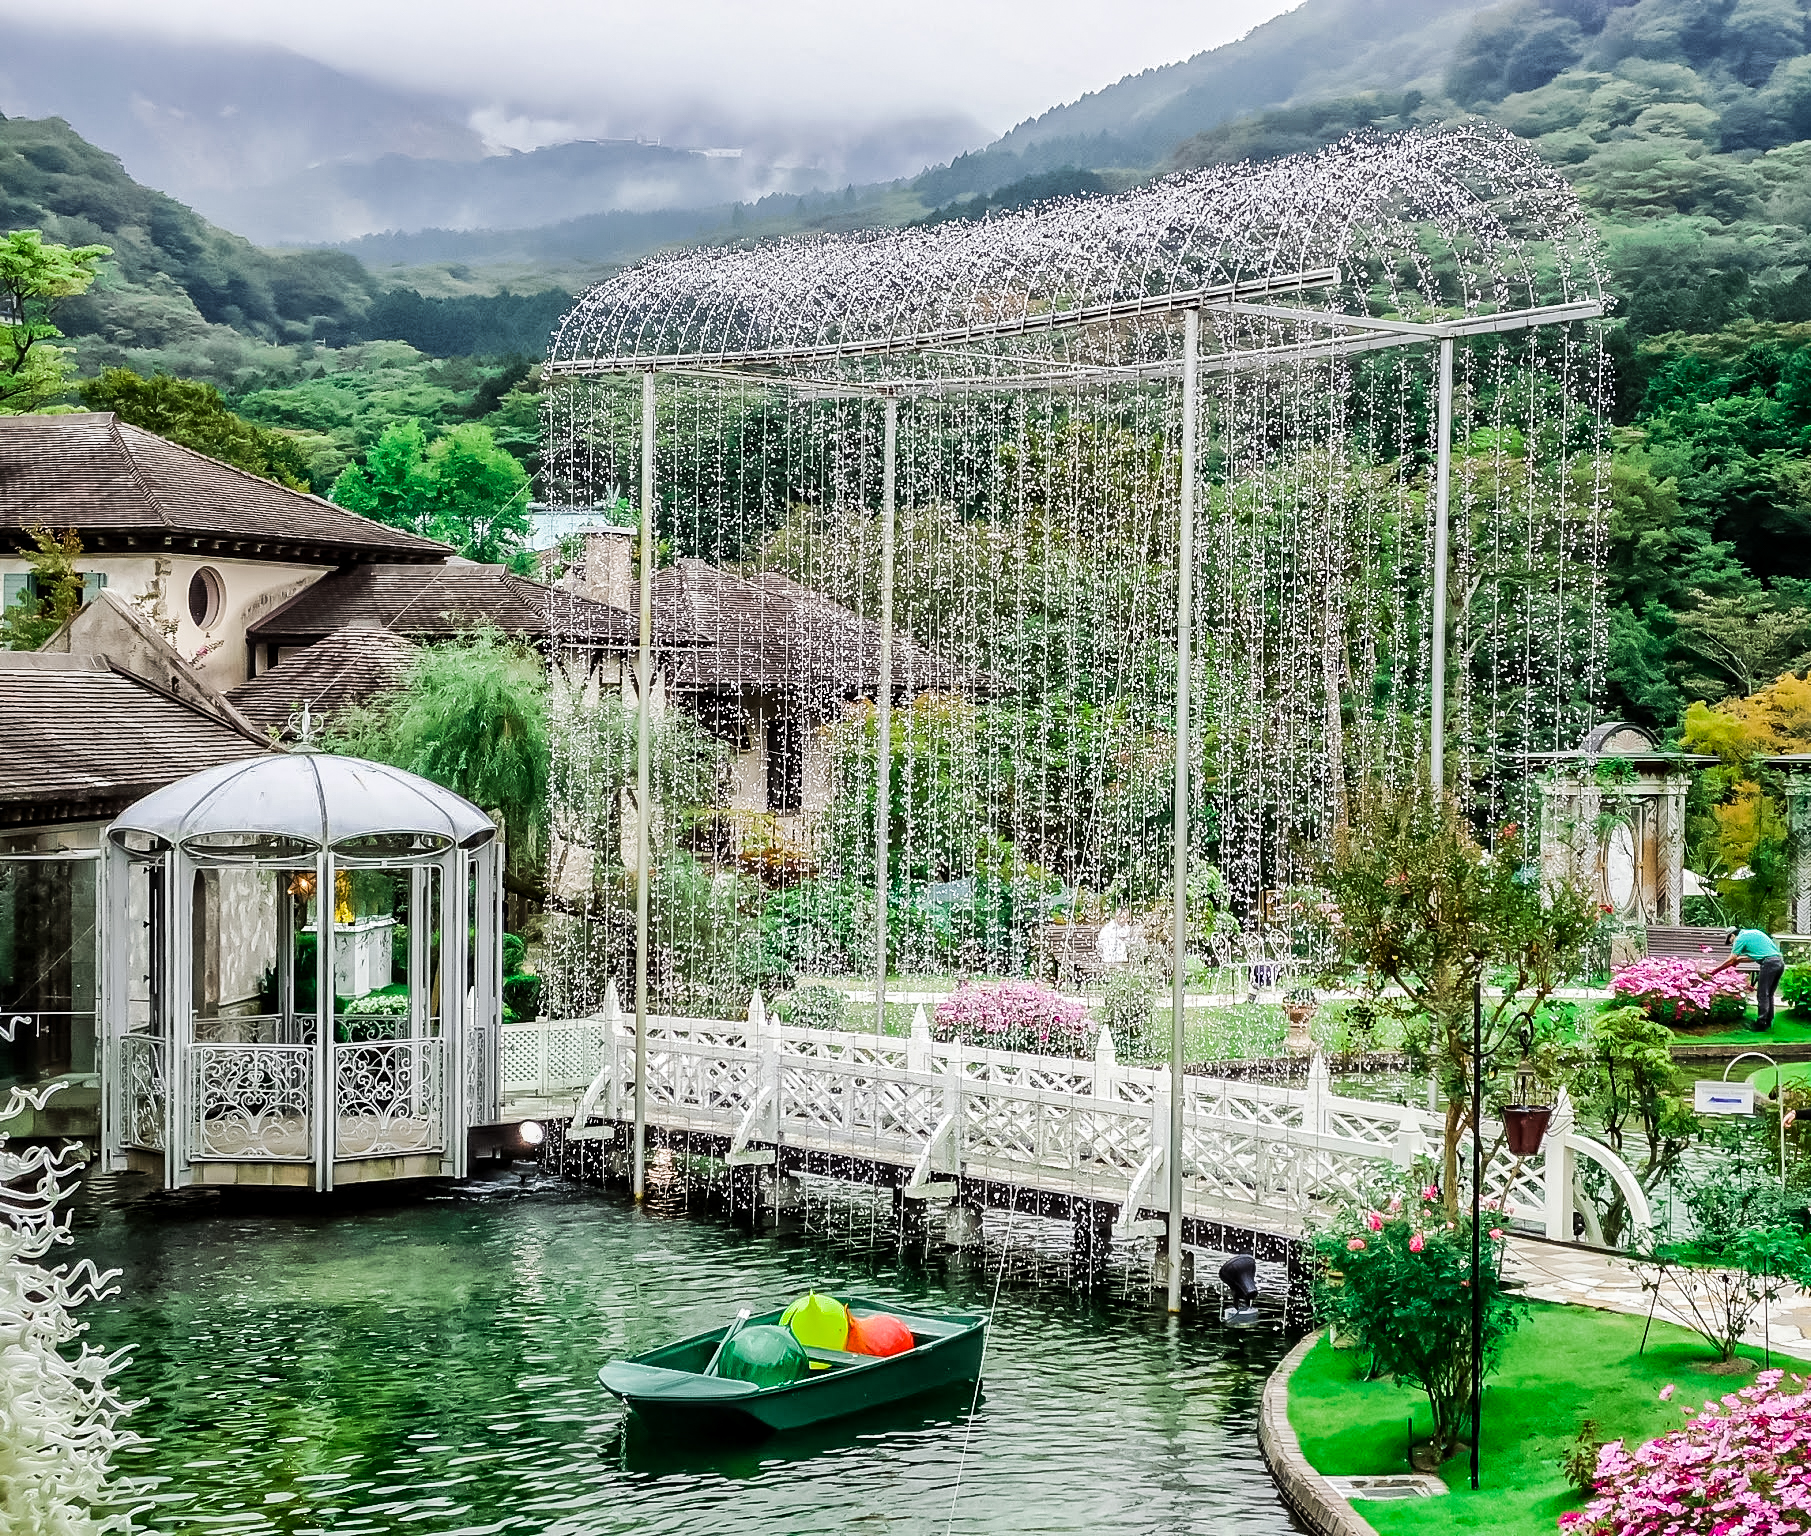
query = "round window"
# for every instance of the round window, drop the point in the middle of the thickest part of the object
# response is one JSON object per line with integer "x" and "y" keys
{"x": 206, "y": 597}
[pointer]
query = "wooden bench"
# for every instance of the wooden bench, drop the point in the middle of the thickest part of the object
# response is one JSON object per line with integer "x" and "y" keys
{"x": 1072, "y": 949}
{"x": 1703, "y": 946}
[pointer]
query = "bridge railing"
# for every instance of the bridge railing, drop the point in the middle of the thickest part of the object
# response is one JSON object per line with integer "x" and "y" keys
{"x": 1084, "y": 1126}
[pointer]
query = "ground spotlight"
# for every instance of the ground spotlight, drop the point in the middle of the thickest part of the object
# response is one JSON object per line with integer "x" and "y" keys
{"x": 531, "y": 1133}
{"x": 1239, "y": 1275}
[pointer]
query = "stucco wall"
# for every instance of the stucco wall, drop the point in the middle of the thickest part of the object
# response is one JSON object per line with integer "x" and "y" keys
{"x": 250, "y": 589}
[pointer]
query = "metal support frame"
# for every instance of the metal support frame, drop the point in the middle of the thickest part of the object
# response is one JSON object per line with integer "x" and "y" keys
{"x": 1443, "y": 473}
{"x": 883, "y": 711}
{"x": 1185, "y": 625}
{"x": 644, "y": 681}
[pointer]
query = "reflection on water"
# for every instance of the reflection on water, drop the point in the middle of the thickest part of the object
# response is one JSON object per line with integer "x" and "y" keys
{"x": 432, "y": 1368}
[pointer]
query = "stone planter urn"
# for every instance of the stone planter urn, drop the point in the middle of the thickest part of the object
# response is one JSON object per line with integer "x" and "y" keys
{"x": 1300, "y": 1013}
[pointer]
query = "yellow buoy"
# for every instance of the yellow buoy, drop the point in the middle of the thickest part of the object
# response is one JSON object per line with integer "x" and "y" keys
{"x": 817, "y": 1322}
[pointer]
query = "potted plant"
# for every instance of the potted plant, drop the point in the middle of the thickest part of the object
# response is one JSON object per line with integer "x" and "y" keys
{"x": 1525, "y": 1121}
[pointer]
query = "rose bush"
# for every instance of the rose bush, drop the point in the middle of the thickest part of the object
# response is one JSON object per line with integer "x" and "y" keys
{"x": 1739, "y": 1468}
{"x": 1015, "y": 1016}
{"x": 1396, "y": 1275}
{"x": 1678, "y": 993}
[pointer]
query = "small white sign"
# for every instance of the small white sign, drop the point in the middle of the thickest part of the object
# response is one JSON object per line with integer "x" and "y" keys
{"x": 1715, "y": 1098}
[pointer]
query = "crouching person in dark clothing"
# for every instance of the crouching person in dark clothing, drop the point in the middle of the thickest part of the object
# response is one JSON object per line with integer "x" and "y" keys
{"x": 1752, "y": 944}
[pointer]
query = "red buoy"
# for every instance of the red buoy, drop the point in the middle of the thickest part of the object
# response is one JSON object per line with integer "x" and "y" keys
{"x": 880, "y": 1333}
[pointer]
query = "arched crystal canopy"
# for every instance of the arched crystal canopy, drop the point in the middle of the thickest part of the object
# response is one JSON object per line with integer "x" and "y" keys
{"x": 1417, "y": 225}
{"x": 295, "y": 803}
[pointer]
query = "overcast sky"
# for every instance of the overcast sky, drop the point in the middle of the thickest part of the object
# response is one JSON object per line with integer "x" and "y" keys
{"x": 542, "y": 70}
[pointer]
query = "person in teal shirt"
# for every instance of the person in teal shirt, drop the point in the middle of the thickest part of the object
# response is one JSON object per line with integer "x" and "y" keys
{"x": 1752, "y": 944}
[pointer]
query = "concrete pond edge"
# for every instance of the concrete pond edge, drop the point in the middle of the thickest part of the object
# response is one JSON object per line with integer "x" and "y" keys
{"x": 1314, "y": 1500}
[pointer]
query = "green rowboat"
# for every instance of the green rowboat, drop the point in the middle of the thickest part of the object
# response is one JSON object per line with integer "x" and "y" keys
{"x": 668, "y": 1390}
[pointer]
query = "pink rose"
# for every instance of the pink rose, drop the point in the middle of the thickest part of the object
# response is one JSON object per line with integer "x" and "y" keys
{"x": 1432, "y": 1192}
{"x": 1496, "y": 1234}
{"x": 1416, "y": 1243}
{"x": 1356, "y": 1245}
{"x": 1374, "y": 1221}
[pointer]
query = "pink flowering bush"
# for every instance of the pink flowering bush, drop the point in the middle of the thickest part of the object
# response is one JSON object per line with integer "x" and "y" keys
{"x": 1015, "y": 1016}
{"x": 1739, "y": 1468}
{"x": 1679, "y": 994}
{"x": 1395, "y": 1273}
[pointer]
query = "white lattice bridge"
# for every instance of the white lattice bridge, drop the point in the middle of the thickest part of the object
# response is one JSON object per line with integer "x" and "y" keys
{"x": 1256, "y": 1155}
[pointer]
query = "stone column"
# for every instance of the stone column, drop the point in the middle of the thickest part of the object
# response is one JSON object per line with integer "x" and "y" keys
{"x": 1669, "y": 835}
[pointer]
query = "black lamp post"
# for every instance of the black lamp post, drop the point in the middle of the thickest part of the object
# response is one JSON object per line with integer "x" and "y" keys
{"x": 1524, "y": 1124}
{"x": 1477, "y": 1187}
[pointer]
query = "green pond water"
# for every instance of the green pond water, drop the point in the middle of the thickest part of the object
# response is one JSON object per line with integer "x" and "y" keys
{"x": 431, "y": 1367}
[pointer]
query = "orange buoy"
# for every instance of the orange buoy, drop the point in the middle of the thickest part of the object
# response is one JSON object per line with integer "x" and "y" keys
{"x": 879, "y": 1333}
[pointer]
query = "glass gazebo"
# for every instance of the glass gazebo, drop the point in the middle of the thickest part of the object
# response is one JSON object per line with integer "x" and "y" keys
{"x": 302, "y": 982}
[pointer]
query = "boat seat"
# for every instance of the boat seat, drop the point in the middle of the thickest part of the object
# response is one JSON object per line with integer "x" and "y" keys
{"x": 836, "y": 1357}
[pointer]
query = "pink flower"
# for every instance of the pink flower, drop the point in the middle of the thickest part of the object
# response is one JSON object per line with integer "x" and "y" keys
{"x": 1417, "y": 1243}
{"x": 1432, "y": 1192}
{"x": 1496, "y": 1234}
{"x": 1356, "y": 1245}
{"x": 1395, "y": 1202}
{"x": 1374, "y": 1221}
{"x": 1666, "y": 1392}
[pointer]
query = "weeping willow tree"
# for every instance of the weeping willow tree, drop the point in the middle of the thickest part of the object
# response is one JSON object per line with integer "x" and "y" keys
{"x": 471, "y": 715}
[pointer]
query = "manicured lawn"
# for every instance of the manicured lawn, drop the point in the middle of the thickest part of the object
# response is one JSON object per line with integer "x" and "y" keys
{"x": 1786, "y": 1026}
{"x": 1563, "y": 1365}
{"x": 1798, "y": 1072}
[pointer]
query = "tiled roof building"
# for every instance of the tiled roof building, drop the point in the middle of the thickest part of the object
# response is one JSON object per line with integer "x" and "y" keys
{"x": 355, "y": 663}
{"x": 123, "y": 489}
{"x": 86, "y": 739}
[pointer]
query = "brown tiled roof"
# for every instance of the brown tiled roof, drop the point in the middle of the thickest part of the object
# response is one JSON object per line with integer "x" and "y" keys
{"x": 351, "y": 665}
{"x": 122, "y": 488}
{"x": 85, "y": 739}
{"x": 435, "y": 602}
{"x": 766, "y": 633}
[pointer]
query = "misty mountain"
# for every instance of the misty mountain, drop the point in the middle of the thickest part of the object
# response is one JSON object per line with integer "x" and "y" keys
{"x": 288, "y": 151}
{"x": 206, "y": 121}
{"x": 1323, "y": 48}
{"x": 347, "y": 199}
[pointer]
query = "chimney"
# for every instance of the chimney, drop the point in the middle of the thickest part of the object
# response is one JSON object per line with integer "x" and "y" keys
{"x": 609, "y": 568}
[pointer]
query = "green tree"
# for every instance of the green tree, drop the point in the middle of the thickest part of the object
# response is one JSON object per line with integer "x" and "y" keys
{"x": 480, "y": 495}
{"x": 34, "y": 276}
{"x": 53, "y": 593}
{"x": 462, "y": 489}
{"x": 472, "y": 715}
{"x": 1622, "y": 1079}
{"x": 1425, "y": 916}
{"x": 194, "y": 414}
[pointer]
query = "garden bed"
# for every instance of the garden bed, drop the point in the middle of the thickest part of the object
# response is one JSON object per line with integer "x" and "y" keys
{"x": 1561, "y": 1366}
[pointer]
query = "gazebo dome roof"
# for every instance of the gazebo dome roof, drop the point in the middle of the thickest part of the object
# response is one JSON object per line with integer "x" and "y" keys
{"x": 292, "y": 804}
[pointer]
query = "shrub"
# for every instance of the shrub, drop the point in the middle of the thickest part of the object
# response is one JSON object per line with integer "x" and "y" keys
{"x": 1578, "y": 1462}
{"x": 1739, "y": 1466}
{"x": 815, "y": 1007}
{"x": 1795, "y": 988}
{"x": 1126, "y": 1011}
{"x": 1678, "y": 994}
{"x": 1015, "y": 1016}
{"x": 1396, "y": 1275}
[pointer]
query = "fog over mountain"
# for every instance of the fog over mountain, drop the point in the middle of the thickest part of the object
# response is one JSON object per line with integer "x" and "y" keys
{"x": 296, "y": 124}
{"x": 284, "y": 149}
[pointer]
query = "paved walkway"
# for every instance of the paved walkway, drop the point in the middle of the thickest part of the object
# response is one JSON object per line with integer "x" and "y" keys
{"x": 1583, "y": 1278}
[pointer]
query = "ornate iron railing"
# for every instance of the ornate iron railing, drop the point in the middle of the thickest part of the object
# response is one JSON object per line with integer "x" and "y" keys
{"x": 251, "y": 1103}
{"x": 144, "y": 1094}
{"x": 389, "y": 1097}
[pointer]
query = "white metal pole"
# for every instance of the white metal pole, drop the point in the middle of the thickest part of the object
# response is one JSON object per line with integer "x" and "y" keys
{"x": 1443, "y": 474}
{"x": 1185, "y": 626}
{"x": 883, "y": 712}
{"x": 644, "y": 684}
